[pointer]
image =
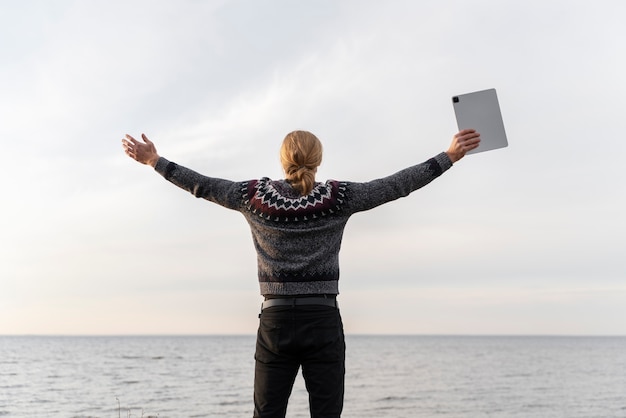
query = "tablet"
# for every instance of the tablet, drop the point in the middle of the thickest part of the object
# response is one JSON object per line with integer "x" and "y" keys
{"x": 480, "y": 110}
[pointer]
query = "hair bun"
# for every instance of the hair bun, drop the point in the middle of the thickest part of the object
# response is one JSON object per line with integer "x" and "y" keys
{"x": 300, "y": 155}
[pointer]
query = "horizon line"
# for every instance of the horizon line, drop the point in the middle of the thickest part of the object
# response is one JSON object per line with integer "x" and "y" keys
{"x": 173, "y": 335}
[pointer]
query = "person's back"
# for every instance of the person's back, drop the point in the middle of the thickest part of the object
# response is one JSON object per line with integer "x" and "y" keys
{"x": 297, "y": 237}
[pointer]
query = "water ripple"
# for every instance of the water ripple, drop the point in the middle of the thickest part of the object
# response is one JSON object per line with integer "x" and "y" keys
{"x": 507, "y": 377}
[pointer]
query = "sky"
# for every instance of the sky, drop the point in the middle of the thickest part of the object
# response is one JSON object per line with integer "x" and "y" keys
{"x": 528, "y": 239}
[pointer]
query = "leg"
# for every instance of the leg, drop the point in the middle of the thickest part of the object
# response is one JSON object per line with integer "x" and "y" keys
{"x": 275, "y": 368}
{"x": 325, "y": 384}
{"x": 323, "y": 365}
{"x": 272, "y": 387}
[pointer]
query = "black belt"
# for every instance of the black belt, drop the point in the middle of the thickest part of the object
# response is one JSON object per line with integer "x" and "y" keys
{"x": 300, "y": 301}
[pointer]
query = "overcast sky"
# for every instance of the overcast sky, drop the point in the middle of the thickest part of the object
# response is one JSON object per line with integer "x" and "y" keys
{"x": 524, "y": 240}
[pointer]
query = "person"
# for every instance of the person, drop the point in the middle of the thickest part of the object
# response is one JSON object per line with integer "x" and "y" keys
{"x": 297, "y": 226}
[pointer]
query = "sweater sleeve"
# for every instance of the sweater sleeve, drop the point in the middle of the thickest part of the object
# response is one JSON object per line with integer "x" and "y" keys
{"x": 223, "y": 192}
{"x": 365, "y": 196}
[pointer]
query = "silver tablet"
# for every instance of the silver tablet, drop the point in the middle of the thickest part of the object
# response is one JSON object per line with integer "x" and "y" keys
{"x": 480, "y": 110}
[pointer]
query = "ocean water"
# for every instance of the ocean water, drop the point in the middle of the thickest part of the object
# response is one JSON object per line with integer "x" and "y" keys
{"x": 387, "y": 376}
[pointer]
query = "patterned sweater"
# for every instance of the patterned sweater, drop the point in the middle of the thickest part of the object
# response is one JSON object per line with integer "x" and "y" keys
{"x": 297, "y": 238}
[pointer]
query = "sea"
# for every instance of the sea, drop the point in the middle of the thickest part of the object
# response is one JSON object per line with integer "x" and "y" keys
{"x": 387, "y": 376}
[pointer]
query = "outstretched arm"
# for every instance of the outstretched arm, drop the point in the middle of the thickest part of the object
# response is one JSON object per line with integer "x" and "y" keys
{"x": 223, "y": 192}
{"x": 464, "y": 141}
{"x": 365, "y": 196}
{"x": 145, "y": 152}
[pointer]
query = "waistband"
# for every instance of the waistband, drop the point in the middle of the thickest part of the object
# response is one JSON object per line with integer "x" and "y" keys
{"x": 300, "y": 301}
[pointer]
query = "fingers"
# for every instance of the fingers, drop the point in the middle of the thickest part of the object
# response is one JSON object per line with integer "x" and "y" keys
{"x": 128, "y": 149}
{"x": 131, "y": 139}
{"x": 146, "y": 140}
{"x": 467, "y": 134}
{"x": 470, "y": 145}
{"x": 466, "y": 131}
{"x": 130, "y": 146}
{"x": 468, "y": 138}
{"x": 130, "y": 142}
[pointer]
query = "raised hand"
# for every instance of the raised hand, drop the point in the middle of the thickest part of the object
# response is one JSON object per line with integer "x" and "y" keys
{"x": 145, "y": 152}
{"x": 462, "y": 142}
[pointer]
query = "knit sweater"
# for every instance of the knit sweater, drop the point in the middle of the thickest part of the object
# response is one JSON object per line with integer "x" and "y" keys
{"x": 297, "y": 238}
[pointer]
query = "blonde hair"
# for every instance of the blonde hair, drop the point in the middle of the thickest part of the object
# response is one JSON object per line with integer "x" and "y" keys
{"x": 300, "y": 155}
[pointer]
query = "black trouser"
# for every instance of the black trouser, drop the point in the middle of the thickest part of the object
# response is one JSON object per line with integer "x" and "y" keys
{"x": 310, "y": 336}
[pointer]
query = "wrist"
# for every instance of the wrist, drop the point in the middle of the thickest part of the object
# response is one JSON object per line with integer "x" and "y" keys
{"x": 153, "y": 161}
{"x": 453, "y": 156}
